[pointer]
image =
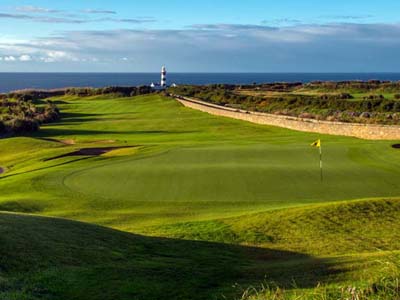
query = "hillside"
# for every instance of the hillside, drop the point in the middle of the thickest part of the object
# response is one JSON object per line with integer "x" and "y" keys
{"x": 324, "y": 229}
{"x": 47, "y": 258}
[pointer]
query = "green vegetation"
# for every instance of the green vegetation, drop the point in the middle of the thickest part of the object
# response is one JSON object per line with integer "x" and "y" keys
{"x": 22, "y": 111}
{"x": 18, "y": 116}
{"x": 360, "y": 102}
{"x": 385, "y": 287}
{"x": 249, "y": 194}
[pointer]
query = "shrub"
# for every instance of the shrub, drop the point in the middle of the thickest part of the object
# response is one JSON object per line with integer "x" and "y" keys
{"x": 20, "y": 126}
{"x": 3, "y": 127}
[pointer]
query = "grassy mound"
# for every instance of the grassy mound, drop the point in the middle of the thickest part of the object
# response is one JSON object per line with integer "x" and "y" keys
{"x": 47, "y": 258}
{"x": 340, "y": 228}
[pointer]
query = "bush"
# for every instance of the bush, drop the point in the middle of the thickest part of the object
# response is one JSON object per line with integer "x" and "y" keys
{"x": 116, "y": 90}
{"x": 3, "y": 127}
{"x": 20, "y": 126}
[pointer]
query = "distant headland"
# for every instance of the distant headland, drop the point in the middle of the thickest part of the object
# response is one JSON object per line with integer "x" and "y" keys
{"x": 19, "y": 81}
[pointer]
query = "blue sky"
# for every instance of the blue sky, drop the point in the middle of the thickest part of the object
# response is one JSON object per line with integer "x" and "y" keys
{"x": 205, "y": 36}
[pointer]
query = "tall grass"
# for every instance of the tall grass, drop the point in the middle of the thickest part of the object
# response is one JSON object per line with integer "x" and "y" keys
{"x": 385, "y": 285}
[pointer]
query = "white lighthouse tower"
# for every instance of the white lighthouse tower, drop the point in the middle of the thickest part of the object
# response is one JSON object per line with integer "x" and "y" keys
{"x": 163, "y": 77}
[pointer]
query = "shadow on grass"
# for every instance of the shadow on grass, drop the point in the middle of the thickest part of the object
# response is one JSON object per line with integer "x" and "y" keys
{"x": 53, "y": 132}
{"x": 47, "y": 167}
{"x": 20, "y": 206}
{"x": 58, "y": 102}
{"x": 82, "y": 116}
{"x": 76, "y": 115}
{"x": 89, "y": 152}
{"x": 62, "y": 259}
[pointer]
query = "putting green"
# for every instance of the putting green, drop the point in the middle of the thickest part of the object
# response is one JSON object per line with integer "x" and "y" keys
{"x": 231, "y": 174}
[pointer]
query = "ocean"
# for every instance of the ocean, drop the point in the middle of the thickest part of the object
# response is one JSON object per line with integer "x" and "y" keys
{"x": 17, "y": 81}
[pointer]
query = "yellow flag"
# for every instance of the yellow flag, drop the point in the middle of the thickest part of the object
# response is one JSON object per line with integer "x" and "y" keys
{"x": 316, "y": 144}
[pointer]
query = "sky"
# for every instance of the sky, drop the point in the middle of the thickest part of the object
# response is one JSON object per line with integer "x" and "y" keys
{"x": 202, "y": 36}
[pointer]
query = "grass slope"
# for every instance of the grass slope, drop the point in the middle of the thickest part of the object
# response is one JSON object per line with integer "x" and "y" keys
{"x": 324, "y": 229}
{"x": 47, "y": 258}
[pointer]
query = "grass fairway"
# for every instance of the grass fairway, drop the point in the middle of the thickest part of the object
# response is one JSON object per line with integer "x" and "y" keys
{"x": 186, "y": 174}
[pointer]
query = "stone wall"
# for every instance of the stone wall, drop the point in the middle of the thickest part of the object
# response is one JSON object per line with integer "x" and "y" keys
{"x": 363, "y": 131}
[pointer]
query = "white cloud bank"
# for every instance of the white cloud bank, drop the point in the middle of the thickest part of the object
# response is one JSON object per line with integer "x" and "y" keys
{"x": 25, "y": 57}
{"x": 222, "y": 47}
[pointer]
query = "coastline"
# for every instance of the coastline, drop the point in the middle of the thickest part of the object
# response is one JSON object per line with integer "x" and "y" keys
{"x": 58, "y": 80}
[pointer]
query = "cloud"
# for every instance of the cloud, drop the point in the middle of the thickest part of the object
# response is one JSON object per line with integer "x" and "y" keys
{"x": 71, "y": 20}
{"x": 282, "y": 21}
{"x": 25, "y": 57}
{"x": 99, "y": 11}
{"x": 42, "y": 19}
{"x": 53, "y": 56}
{"x": 335, "y": 47}
{"x": 35, "y": 9}
{"x": 134, "y": 21}
{"x": 9, "y": 58}
{"x": 348, "y": 17}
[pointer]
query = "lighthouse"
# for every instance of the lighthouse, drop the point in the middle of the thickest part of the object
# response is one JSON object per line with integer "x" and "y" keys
{"x": 163, "y": 77}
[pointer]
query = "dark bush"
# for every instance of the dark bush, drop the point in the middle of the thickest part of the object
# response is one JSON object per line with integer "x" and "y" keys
{"x": 120, "y": 91}
{"x": 3, "y": 127}
{"x": 20, "y": 126}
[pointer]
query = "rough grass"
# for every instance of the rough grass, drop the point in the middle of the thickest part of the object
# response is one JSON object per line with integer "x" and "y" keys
{"x": 385, "y": 285}
{"x": 327, "y": 229}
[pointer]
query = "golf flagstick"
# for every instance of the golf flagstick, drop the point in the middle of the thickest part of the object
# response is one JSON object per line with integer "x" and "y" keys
{"x": 320, "y": 162}
{"x": 318, "y": 144}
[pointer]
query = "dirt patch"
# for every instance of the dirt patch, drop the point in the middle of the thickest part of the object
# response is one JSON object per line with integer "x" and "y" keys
{"x": 396, "y": 146}
{"x": 90, "y": 152}
{"x": 68, "y": 142}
